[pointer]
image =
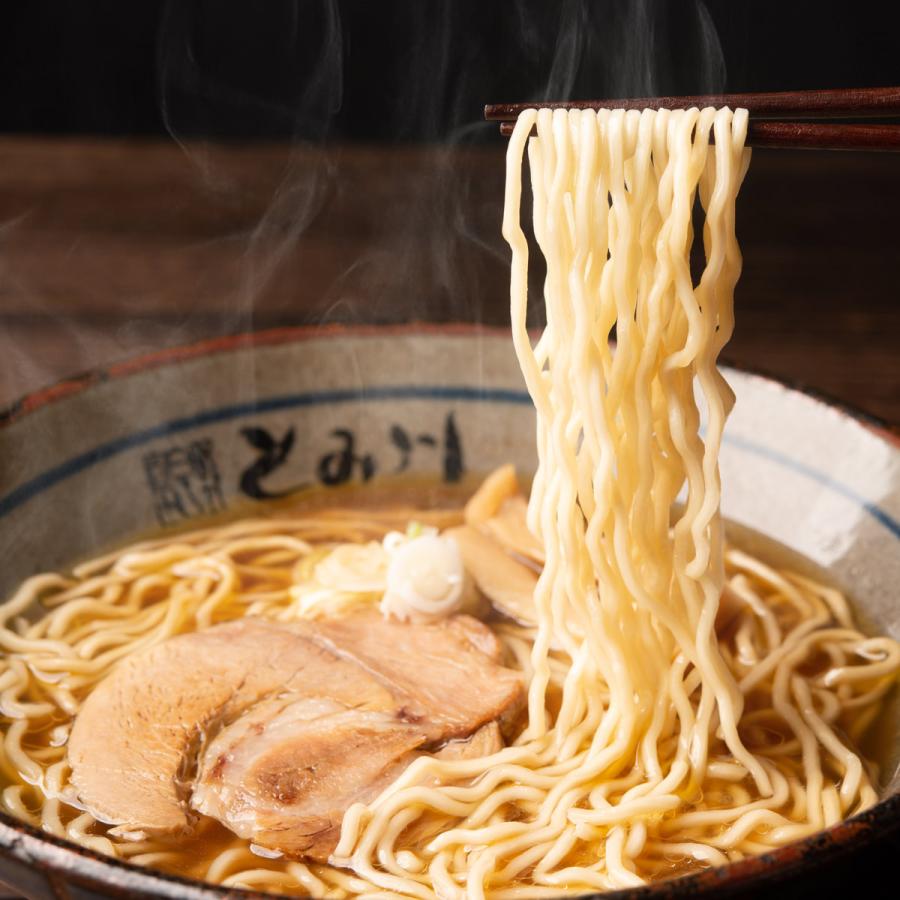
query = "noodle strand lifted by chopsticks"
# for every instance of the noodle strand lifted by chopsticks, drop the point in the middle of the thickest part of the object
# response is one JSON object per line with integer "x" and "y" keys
{"x": 645, "y": 758}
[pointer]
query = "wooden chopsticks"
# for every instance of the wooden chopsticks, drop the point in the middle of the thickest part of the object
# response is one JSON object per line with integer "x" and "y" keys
{"x": 768, "y": 112}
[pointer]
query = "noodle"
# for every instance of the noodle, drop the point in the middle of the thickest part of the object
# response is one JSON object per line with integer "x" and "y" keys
{"x": 630, "y": 597}
{"x": 655, "y": 744}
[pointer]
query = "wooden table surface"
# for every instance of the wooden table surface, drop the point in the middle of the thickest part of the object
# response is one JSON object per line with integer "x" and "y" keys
{"x": 109, "y": 248}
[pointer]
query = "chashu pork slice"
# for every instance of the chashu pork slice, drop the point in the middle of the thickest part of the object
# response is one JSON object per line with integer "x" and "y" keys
{"x": 134, "y": 742}
{"x": 449, "y": 667}
{"x": 310, "y": 718}
{"x": 284, "y": 775}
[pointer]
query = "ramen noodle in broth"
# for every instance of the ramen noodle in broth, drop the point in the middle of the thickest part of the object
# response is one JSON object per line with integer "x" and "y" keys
{"x": 580, "y": 690}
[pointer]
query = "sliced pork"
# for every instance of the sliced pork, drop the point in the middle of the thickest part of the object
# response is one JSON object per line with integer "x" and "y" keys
{"x": 283, "y": 775}
{"x": 135, "y": 739}
{"x": 276, "y": 729}
{"x": 449, "y": 669}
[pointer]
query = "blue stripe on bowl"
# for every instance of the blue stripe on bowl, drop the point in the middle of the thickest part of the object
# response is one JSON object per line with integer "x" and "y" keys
{"x": 102, "y": 452}
{"x": 77, "y": 464}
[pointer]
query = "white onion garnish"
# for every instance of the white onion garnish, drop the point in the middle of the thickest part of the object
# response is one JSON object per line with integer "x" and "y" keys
{"x": 419, "y": 574}
{"x": 425, "y": 577}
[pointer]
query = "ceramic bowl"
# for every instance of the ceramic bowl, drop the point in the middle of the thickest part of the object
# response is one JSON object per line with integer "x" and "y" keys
{"x": 155, "y": 443}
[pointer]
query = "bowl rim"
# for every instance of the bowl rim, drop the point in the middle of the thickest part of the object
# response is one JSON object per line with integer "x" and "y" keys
{"x": 65, "y": 858}
{"x": 70, "y": 385}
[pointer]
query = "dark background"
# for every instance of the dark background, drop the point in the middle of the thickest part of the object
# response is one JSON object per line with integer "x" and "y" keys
{"x": 369, "y": 70}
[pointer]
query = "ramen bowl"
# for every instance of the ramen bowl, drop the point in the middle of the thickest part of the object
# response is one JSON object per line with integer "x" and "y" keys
{"x": 226, "y": 426}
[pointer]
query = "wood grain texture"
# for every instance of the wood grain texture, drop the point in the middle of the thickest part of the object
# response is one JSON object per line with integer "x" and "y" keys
{"x": 837, "y": 103}
{"x": 112, "y": 248}
{"x": 808, "y": 136}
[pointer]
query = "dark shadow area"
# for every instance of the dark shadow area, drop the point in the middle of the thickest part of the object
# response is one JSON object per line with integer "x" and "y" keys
{"x": 405, "y": 69}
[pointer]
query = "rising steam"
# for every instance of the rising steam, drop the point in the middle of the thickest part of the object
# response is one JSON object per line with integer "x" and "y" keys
{"x": 346, "y": 139}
